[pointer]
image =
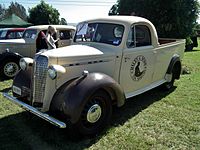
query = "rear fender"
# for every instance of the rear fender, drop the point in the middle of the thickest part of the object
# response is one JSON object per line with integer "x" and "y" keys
{"x": 175, "y": 62}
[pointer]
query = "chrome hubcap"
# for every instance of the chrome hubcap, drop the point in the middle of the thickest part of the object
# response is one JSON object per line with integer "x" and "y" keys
{"x": 94, "y": 113}
{"x": 11, "y": 69}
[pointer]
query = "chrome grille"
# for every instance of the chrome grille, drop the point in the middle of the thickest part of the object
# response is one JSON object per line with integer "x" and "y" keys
{"x": 39, "y": 79}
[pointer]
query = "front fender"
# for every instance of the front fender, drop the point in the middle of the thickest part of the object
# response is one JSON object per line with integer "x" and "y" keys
{"x": 23, "y": 81}
{"x": 72, "y": 97}
{"x": 6, "y": 55}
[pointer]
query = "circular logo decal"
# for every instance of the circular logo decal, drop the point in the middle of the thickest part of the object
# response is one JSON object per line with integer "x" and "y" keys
{"x": 138, "y": 68}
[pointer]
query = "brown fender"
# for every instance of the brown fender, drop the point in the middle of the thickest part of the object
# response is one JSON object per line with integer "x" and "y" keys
{"x": 71, "y": 98}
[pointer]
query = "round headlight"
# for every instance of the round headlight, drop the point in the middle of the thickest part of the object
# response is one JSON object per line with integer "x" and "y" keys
{"x": 52, "y": 72}
{"x": 23, "y": 64}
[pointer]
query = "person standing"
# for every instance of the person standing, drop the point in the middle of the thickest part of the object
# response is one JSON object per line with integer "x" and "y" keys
{"x": 41, "y": 42}
{"x": 49, "y": 37}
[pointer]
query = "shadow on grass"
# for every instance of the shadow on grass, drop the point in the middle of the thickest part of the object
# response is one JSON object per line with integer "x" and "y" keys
{"x": 24, "y": 131}
{"x": 2, "y": 79}
{"x": 194, "y": 50}
{"x": 136, "y": 104}
{"x": 6, "y": 89}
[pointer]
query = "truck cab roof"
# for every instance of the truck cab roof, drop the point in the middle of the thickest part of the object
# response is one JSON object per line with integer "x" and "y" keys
{"x": 128, "y": 22}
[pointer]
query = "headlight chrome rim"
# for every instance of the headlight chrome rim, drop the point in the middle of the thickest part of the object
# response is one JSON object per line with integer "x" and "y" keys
{"x": 23, "y": 64}
{"x": 52, "y": 72}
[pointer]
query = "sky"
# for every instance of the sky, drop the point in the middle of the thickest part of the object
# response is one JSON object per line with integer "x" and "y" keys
{"x": 73, "y": 11}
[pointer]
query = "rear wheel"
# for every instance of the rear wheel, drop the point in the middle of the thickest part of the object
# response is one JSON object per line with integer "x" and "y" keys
{"x": 169, "y": 85}
{"x": 9, "y": 68}
{"x": 96, "y": 114}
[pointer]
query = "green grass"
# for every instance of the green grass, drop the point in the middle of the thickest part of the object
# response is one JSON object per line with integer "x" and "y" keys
{"x": 153, "y": 120}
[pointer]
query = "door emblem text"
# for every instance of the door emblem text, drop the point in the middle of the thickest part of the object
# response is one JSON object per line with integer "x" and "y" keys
{"x": 138, "y": 68}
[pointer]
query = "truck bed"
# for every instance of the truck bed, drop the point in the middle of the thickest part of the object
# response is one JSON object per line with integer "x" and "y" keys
{"x": 166, "y": 41}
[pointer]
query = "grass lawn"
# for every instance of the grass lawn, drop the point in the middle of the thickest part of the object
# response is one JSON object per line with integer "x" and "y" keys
{"x": 153, "y": 120}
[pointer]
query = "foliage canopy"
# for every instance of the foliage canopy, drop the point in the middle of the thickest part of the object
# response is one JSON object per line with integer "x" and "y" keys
{"x": 43, "y": 13}
{"x": 63, "y": 21}
{"x": 14, "y": 8}
{"x": 2, "y": 11}
{"x": 172, "y": 18}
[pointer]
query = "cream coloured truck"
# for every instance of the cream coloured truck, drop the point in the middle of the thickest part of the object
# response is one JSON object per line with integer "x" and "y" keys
{"x": 112, "y": 59}
{"x": 11, "y": 50}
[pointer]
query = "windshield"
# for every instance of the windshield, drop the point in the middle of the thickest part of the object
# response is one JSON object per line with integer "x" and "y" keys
{"x": 99, "y": 32}
{"x": 30, "y": 33}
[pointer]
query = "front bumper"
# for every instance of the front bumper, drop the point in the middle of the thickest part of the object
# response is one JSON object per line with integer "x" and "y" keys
{"x": 33, "y": 110}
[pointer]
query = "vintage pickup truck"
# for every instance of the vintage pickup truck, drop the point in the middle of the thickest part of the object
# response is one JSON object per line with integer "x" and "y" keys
{"x": 11, "y": 50}
{"x": 112, "y": 59}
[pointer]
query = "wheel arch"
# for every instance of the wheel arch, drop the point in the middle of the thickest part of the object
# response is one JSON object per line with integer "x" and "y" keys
{"x": 175, "y": 63}
{"x": 73, "y": 95}
{"x": 6, "y": 58}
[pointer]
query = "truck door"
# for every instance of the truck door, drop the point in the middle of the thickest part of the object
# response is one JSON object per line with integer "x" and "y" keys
{"x": 138, "y": 60}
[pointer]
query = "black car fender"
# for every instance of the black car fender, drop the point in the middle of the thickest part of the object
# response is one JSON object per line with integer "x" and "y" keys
{"x": 22, "y": 80}
{"x": 175, "y": 62}
{"x": 71, "y": 98}
{"x": 12, "y": 55}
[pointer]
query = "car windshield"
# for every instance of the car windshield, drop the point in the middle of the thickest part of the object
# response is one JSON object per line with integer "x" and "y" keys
{"x": 30, "y": 34}
{"x": 99, "y": 32}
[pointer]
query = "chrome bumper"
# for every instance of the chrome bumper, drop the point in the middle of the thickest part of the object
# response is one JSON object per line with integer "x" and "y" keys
{"x": 35, "y": 111}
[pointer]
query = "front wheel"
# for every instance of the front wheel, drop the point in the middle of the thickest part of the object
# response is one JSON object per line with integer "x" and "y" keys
{"x": 96, "y": 114}
{"x": 8, "y": 69}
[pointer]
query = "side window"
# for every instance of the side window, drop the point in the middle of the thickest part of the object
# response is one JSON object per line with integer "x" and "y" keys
{"x": 19, "y": 34}
{"x": 11, "y": 35}
{"x": 65, "y": 35}
{"x": 143, "y": 36}
{"x": 3, "y": 34}
{"x": 139, "y": 36}
{"x": 30, "y": 34}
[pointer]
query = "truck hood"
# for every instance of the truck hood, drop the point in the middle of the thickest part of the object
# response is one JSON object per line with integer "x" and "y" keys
{"x": 73, "y": 51}
{"x": 12, "y": 41}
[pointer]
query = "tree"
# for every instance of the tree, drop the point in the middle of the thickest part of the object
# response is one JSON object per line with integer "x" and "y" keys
{"x": 43, "y": 14}
{"x": 63, "y": 21}
{"x": 16, "y": 9}
{"x": 114, "y": 10}
{"x": 2, "y": 12}
{"x": 197, "y": 27}
{"x": 172, "y": 18}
